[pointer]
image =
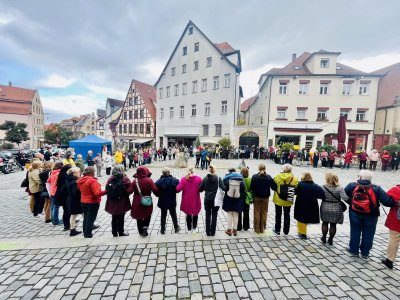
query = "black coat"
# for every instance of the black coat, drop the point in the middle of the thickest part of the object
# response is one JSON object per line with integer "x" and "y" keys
{"x": 73, "y": 195}
{"x": 43, "y": 178}
{"x": 210, "y": 185}
{"x": 167, "y": 191}
{"x": 123, "y": 205}
{"x": 261, "y": 185}
{"x": 306, "y": 208}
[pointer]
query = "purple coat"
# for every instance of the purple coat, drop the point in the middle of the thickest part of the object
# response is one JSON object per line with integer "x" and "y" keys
{"x": 191, "y": 203}
{"x": 123, "y": 205}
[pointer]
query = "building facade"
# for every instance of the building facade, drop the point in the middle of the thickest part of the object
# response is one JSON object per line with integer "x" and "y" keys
{"x": 303, "y": 101}
{"x": 136, "y": 125}
{"x": 198, "y": 93}
{"x": 387, "y": 121}
{"x": 23, "y": 106}
{"x": 113, "y": 110}
{"x": 100, "y": 123}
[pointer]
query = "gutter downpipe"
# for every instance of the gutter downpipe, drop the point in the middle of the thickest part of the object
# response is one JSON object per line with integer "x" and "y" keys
{"x": 269, "y": 108}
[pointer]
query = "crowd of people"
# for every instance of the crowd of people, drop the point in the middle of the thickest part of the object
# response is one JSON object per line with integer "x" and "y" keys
{"x": 66, "y": 183}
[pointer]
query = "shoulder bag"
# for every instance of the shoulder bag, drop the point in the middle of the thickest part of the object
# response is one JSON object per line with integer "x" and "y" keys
{"x": 344, "y": 206}
{"x": 144, "y": 200}
{"x": 219, "y": 196}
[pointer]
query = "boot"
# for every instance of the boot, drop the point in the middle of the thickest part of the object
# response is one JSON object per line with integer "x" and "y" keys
{"x": 234, "y": 232}
{"x": 388, "y": 263}
{"x": 330, "y": 241}
{"x": 145, "y": 233}
{"x": 74, "y": 232}
{"x": 228, "y": 232}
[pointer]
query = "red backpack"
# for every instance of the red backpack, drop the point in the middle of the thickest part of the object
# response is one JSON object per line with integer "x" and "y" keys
{"x": 363, "y": 200}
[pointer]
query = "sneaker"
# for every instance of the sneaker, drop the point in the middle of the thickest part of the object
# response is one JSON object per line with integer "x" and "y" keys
{"x": 74, "y": 232}
{"x": 96, "y": 226}
{"x": 47, "y": 221}
{"x": 277, "y": 232}
{"x": 364, "y": 257}
{"x": 351, "y": 252}
{"x": 303, "y": 236}
{"x": 177, "y": 229}
{"x": 388, "y": 263}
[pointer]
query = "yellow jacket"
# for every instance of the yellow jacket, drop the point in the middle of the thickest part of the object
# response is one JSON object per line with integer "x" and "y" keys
{"x": 69, "y": 162}
{"x": 118, "y": 157}
{"x": 280, "y": 179}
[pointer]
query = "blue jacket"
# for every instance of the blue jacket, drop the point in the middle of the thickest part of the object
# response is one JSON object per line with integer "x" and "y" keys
{"x": 234, "y": 204}
{"x": 204, "y": 154}
{"x": 380, "y": 195}
{"x": 167, "y": 191}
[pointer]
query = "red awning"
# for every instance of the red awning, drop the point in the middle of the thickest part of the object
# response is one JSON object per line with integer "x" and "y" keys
{"x": 362, "y": 109}
{"x": 365, "y": 81}
{"x": 346, "y": 108}
{"x": 302, "y": 108}
{"x": 323, "y": 108}
{"x": 282, "y": 107}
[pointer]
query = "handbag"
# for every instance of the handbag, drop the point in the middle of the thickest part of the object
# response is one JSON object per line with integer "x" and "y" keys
{"x": 344, "y": 206}
{"x": 25, "y": 183}
{"x": 144, "y": 200}
{"x": 219, "y": 196}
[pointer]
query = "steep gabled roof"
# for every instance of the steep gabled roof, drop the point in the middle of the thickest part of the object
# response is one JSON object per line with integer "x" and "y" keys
{"x": 223, "y": 45}
{"x": 148, "y": 94}
{"x": 389, "y": 85}
{"x": 115, "y": 102}
{"x": 101, "y": 113}
{"x": 9, "y": 92}
{"x": 247, "y": 103}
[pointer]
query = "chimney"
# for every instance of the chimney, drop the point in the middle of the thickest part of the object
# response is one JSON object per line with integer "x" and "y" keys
{"x": 293, "y": 56}
{"x": 9, "y": 83}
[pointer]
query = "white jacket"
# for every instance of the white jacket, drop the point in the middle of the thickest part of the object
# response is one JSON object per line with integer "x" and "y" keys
{"x": 107, "y": 161}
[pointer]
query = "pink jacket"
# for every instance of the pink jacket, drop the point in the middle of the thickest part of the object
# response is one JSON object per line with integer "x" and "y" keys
{"x": 191, "y": 203}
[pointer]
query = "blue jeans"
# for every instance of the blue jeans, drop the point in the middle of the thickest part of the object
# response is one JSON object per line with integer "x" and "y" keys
{"x": 365, "y": 226}
{"x": 54, "y": 212}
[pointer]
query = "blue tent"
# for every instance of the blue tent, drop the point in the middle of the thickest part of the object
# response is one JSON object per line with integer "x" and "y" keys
{"x": 89, "y": 142}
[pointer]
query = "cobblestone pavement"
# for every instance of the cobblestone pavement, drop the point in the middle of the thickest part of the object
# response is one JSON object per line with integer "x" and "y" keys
{"x": 39, "y": 260}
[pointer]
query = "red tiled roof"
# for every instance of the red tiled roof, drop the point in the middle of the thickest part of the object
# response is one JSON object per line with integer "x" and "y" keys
{"x": 224, "y": 47}
{"x": 389, "y": 85}
{"x": 148, "y": 94}
{"x": 15, "y": 100}
{"x": 247, "y": 103}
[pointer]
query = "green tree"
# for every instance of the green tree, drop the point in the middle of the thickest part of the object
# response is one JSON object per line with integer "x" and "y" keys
{"x": 57, "y": 134}
{"x": 225, "y": 142}
{"x": 197, "y": 142}
{"x": 15, "y": 132}
{"x": 392, "y": 148}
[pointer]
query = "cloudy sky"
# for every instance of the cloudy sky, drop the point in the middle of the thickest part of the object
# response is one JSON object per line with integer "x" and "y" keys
{"x": 78, "y": 53}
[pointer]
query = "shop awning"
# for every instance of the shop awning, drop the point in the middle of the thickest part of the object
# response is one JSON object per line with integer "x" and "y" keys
{"x": 141, "y": 141}
{"x": 188, "y": 135}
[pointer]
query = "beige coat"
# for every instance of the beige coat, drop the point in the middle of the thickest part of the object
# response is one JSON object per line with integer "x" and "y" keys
{"x": 35, "y": 185}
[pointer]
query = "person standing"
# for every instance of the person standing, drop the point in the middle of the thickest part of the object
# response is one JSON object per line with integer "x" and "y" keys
{"x": 373, "y": 159}
{"x": 140, "y": 156}
{"x": 73, "y": 198}
{"x": 89, "y": 159}
{"x": 331, "y": 158}
{"x": 316, "y": 159}
{"x": 365, "y": 199}
{"x": 395, "y": 161}
{"x": 142, "y": 185}
{"x": 107, "y": 159}
{"x": 244, "y": 218}
{"x": 348, "y": 159}
{"x": 130, "y": 159}
{"x": 118, "y": 157}
{"x": 260, "y": 187}
{"x": 393, "y": 224}
{"x": 118, "y": 202}
{"x": 54, "y": 209}
{"x": 167, "y": 198}
{"x": 332, "y": 207}
{"x": 283, "y": 198}
{"x": 210, "y": 185}
{"x": 385, "y": 158}
{"x": 61, "y": 195}
{"x": 324, "y": 158}
{"x": 91, "y": 194}
{"x": 362, "y": 158}
{"x": 44, "y": 176}
{"x": 191, "y": 203}
{"x": 306, "y": 208}
{"x": 80, "y": 163}
{"x": 68, "y": 160}
{"x": 35, "y": 186}
{"x": 98, "y": 162}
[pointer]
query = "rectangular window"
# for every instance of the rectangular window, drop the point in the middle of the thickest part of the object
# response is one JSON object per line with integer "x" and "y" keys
{"x": 193, "y": 110}
{"x": 173, "y": 71}
{"x": 141, "y": 112}
{"x": 301, "y": 114}
{"x": 346, "y": 89}
{"x": 130, "y": 102}
{"x": 160, "y": 93}
{"x": 135, "y": 128}
{"x": 190, "y": 30}
{"x": 360, "y": 116}
{"x": 227, "y": 80}
{"x": 135, "y": 114}
{"x": 209, "y": 61}
{"x": 196, "y": 65}
{"x": 207, "y": 109}
{"x": 125, "y": 127}
{"x": 364, "y": 89}
{"x": 224, "y": 107}
{"x": 176, "y": 89}
{"x": 141, "y": 128}
{"x": 182, "y": 111}
{"x": 184, "y": 68}
{"x": 322, "y": 115}
{"x": 136, "y": 100}
{"x": 168, "y": 91}
{"x": 303, "y": 89}
{"x": 161, "y": 113}
{"x": 282, "y": 88}
{"x": 204, "y": 85}
{"x": 184, "y": 88}
{"x": 323, "y": 89}
{"x": 130, "y": 115}
{"x": 194, "y": 85}
{"x": 216, "y": 83}
{"x": 345, "y": 114}
{"x": 125, "y": 115}
{"x": 120, "y": 129}
{"x": 196, "y": 47}
{"x": 148, "y": 128}
{"x": 184, "y": 51}
{"x": 171, "y": 112}
{"x": 130, "y": 128}
{"x": 281, "y": 113}
{"x": 218, "y": 129}
{"x": 324, "y": 63}
{"x": 205, "y": 130}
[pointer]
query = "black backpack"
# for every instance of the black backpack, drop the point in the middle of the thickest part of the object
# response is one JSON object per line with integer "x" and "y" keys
{"x": 287, "y": 191}
{"x": 115, "y": 188}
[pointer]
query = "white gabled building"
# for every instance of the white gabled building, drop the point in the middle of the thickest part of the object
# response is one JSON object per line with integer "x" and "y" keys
{"x": 198, "y": 93}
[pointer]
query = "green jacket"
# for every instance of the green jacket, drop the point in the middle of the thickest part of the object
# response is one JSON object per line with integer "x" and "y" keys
{"x": 280, "y": 179}
{"x": 247, "y": 182}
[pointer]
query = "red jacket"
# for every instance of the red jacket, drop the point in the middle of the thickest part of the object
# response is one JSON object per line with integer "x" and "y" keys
{"x": 90, "y": 189}
{"x": 391, "y": 221}
{"x": 348, "y": 158}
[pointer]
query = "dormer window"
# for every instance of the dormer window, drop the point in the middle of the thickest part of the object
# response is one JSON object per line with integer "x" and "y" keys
{"x": 324, "y": 63}
{"x": 190, "y": 30}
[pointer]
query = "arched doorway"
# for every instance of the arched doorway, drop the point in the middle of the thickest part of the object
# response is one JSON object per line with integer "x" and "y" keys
{"x": 249, "y": 138}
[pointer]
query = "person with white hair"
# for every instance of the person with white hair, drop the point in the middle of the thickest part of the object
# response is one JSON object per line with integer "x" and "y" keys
{"x": 364, "y": 200}
{"x": 283, "y": 198}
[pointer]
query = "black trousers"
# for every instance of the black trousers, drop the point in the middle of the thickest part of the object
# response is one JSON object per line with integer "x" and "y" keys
{"x": 108, "y": 171}
{"x": 246, "y": 218}
{"x": 143, "y": 224}
{"x": 172, "y": 213}
{"x": 203, "y": 164}
{"x": 363, "y": 164}
{"x": 66, "y": 216}
{"x": 130, "y": 163}
{"x": 286, "y": 218}
{"x": 38, "y": 206}
{"x": 90, "y": 211}
{"x": 331, "y": 162}
{"x": 395, "y": 165}
{"x": 211, "y": 218}
{"x": 372, "y": 165}
{"x": 191, "y": 222}
{"x": 117, "y": 224}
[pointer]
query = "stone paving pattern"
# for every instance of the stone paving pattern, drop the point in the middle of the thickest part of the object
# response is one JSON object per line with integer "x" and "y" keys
{"x": 180, "y": 266}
